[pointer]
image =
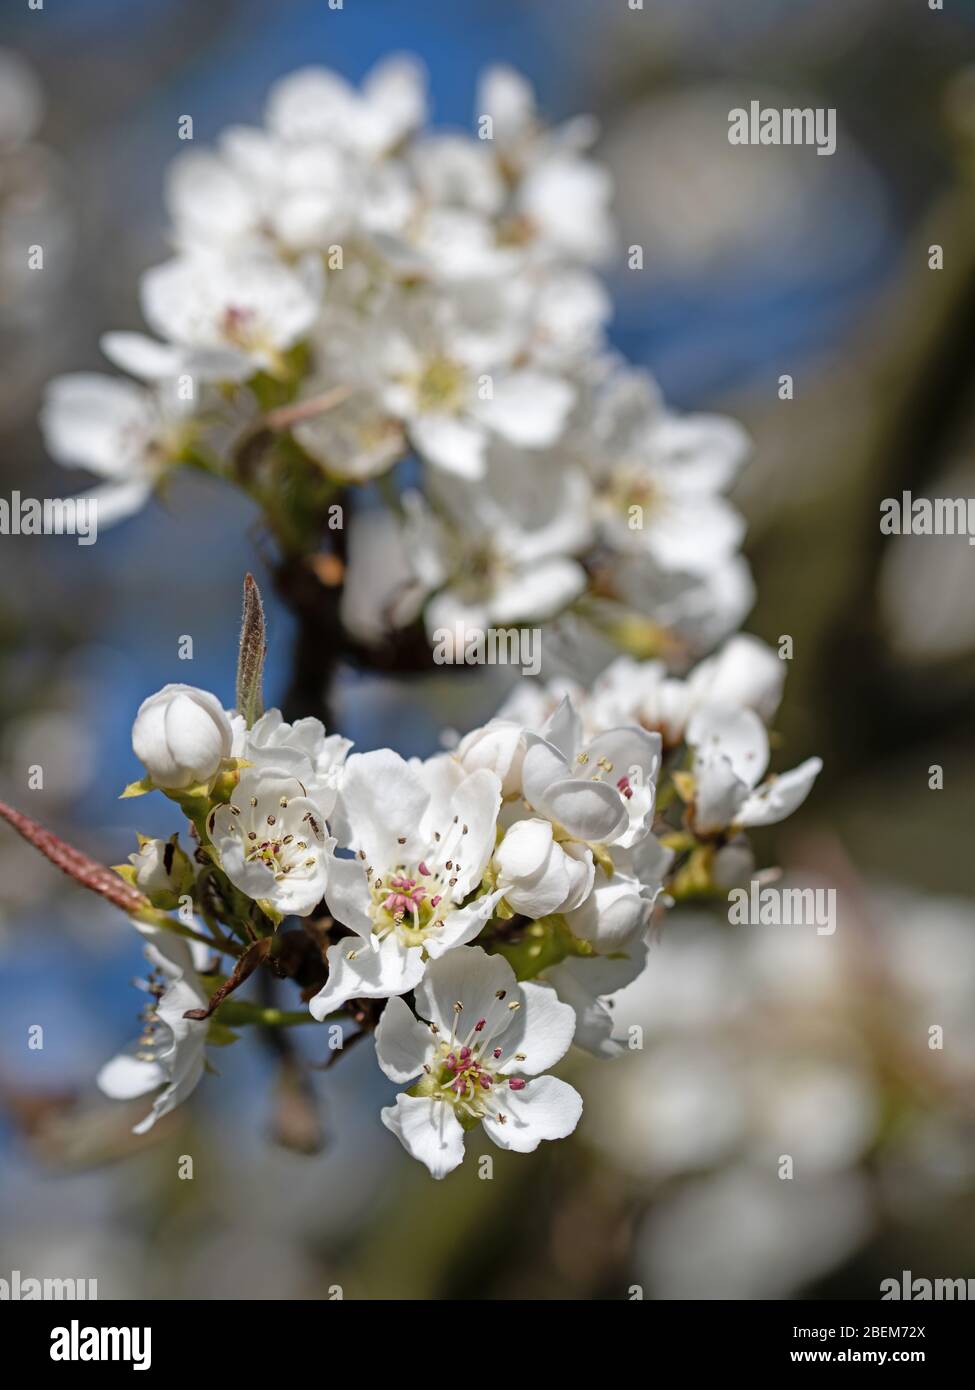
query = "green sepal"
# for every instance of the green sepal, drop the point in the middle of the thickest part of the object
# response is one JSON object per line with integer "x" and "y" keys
{"x": 274, "y": 916}
{"x": 139, "y": 788}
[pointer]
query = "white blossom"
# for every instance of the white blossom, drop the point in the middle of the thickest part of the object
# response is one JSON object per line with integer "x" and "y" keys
{"x": 540, "y": 876}
{"x": 124, "y": 433}
{"x": 301, "y": 750}
{"x": 479, "y": 1057}
{"x": 731, "y": 754}
{"x": 601, "y": 790}
{"x": 422, "y": 834}
{"x": 181, "y": 735}
{"x": 170, "y": 1052}
{"x": 271, "y": 842}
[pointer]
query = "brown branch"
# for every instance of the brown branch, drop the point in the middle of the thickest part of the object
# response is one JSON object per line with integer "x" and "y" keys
{"x": 84, "y": 870}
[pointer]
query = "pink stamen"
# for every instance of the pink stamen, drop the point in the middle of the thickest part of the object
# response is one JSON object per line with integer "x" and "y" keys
{"x": 516, "y": 1083}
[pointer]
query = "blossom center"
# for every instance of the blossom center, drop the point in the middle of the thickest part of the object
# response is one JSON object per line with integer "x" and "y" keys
{"x": 406, "y": 902}
{"x": 441, "y": 385}
{"x": 276, "y": 841}
{"x": 413, "y": 897}
{"x": 466, "y": 1072}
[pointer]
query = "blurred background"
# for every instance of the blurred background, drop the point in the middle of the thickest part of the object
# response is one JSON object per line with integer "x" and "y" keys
{"x": 757, "y": 1041}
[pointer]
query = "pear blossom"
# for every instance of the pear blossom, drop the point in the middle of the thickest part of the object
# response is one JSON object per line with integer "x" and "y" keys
{"x": 316, "y": 105}
{"x": 617, "y": 910}
{"x": 122, "y": 432}
{"x": 445, "y": 375}
{"x": 590, "y": 984}
{"x": 422, "y": 835}
{"x": 540, "y": 876}
{"x": 256, "y": 195}
{"x": 659, "y": 490}
{"x": 601, "y": 791}
{"x": 349, "y": 292}
{"x": 271, "y": 842}
{"x": 479, "y": 1057}
{"x": 744, "y": 672}
{"x": 731, "y": 754}
{"x": 302, "y": 749}
{"x": 484, "y": 562}
{"x": 560, "y": 201}
{"x": 162, "y": 870}
{"x": 229, "y": 317}
{"x": 170, "y": 1053}
{"x": 181, "y": 735}
{"x": 499, "y": 746}
{"x": 354, "y": 441}
{"x": 700, "y": 609}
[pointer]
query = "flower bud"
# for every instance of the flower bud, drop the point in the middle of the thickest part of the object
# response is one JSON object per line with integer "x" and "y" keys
{"x": 162, "y": 871}
{"x": 498, "y": 746}
{"x": 181, "y": 734}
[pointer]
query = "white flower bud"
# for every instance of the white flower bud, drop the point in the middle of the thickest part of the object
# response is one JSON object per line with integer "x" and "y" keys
{"x": 181, "y": 734}
{"x": 162, "y": 871}
{"x": 537, "y": 874}
{"x": 498, "y": 746}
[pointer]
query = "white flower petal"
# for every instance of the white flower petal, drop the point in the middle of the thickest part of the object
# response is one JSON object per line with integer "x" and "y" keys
{"x": 450, "y": 443}
{"x": 381, "y": 805}
{"x": 590, "y": 811}
{"x": 528, "y": 409}
{"x": 428, "y": 1130}
{"x": 375, "y": 972}
{"x": 462, "y": 926}
{"x": 468, "y": 976}
{"x": 525, "y": 849}
{"x": 547, "y": 1108}
{"x": 348, "y": 895}
{"x": 717, "y": 794}
{"x": 542, "y": 1030}
{"x": 780, "y": 796}
{"x": 736, "y": 734}
{"x": 126, "y": 1076}
{"x": 537, "y": 592}
{"x": 402, "y": 1042}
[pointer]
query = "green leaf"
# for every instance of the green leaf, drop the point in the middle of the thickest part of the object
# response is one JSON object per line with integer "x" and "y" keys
{"x": 250, "y": 660}
{"x": 219, "y": 1035}
{"x": 144, "y": 784}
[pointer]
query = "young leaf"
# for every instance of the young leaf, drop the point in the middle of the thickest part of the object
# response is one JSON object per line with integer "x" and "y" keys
{"x": 250, "y": 661}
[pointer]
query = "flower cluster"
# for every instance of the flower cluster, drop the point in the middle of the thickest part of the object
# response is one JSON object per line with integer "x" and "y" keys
{"x": 477, "y": 908}
{"x": 350, "y": 289}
